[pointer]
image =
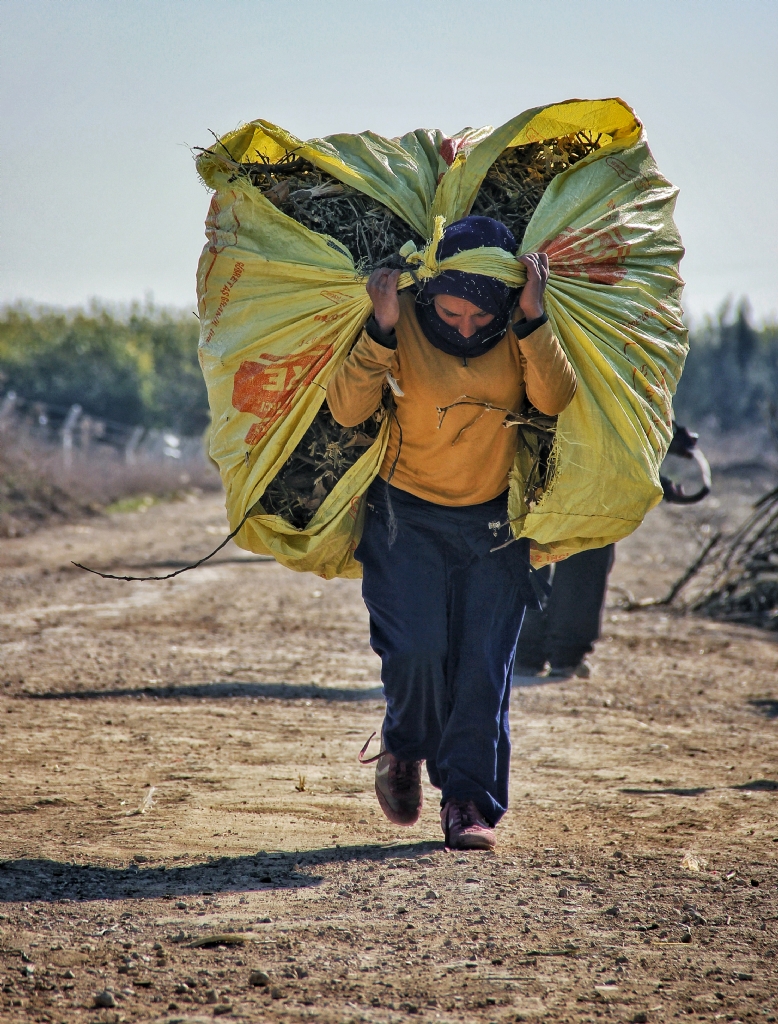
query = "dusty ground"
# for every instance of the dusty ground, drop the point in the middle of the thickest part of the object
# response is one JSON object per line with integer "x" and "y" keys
{"x": 179, "y": 761}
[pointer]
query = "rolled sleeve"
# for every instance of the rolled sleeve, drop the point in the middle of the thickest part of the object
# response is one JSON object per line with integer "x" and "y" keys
{"x": 523, "y": 328}
{"x": 387, "y": 339}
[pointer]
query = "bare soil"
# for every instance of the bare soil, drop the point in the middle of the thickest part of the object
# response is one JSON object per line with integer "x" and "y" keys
{"x": 179, "y": 764}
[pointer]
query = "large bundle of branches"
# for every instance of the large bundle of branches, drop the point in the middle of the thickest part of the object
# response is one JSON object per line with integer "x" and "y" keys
{"x": 510, "y": 192}
{"x": 742, "y": 575}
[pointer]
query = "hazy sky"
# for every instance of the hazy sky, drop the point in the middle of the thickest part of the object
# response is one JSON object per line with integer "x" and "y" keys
{"x": 101, "y": 99}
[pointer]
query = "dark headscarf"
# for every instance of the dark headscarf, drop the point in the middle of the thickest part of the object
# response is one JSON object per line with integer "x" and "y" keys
{"x": 488, "y": 293}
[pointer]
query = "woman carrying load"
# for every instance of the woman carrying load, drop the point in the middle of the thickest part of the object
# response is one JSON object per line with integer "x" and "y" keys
{"x": 445, "y": 592}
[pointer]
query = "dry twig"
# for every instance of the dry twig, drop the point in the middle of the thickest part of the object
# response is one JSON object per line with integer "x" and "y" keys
{"x": 744, "y": 584}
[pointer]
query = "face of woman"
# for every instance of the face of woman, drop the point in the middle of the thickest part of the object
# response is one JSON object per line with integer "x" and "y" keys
{"x": 461, "y": 314}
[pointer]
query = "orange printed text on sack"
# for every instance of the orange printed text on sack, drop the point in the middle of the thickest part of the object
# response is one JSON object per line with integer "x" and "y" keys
{"x": 225, "y": 294}
{"x": 329, "y": 318}
{"x": 267, "y": 387}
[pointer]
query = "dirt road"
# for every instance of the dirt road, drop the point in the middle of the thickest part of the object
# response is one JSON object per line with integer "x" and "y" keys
{"x": 179, "y": 763}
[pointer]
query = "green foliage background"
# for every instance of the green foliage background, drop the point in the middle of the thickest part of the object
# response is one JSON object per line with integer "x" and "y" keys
{"x": 137, "y": 368}
{"x": 141, "y": 367}
{"x": 731, "y": 373}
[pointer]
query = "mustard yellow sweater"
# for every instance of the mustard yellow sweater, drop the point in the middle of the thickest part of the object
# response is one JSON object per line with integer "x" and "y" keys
{"x": 464, "y": 460}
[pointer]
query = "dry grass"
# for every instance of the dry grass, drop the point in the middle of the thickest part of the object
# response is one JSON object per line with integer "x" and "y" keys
{"x": 36, "y": 487}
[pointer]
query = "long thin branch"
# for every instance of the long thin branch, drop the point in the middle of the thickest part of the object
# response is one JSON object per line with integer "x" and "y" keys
{"x": 680, "y": 583}
{"x": 443, "y": 411}
{"x": 512, "y": 419}
{"x": 170, "y": 575}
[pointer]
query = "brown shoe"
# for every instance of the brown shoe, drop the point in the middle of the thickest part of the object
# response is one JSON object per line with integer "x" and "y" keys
{"x": 397, "y": 786}
{"x": 465, "y": 828}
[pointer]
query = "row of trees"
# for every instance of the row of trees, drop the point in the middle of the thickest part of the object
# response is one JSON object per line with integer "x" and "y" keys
{"x": 138, "y": 368}
{"x": 141, "y": 367}
{"x": 731, "y": 373}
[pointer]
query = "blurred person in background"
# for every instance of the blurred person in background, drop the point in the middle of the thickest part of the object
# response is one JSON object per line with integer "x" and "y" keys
{"x": 556, "y": 639}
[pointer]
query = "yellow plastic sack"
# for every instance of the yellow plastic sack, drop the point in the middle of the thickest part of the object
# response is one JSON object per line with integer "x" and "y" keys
{"x": 280, "y": 307}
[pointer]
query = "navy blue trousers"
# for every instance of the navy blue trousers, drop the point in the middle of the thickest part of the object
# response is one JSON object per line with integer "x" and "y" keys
{"x": 445, "y": 614}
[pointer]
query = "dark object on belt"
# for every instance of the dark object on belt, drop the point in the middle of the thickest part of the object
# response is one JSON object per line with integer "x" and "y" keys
{"x": 684, "y": 445}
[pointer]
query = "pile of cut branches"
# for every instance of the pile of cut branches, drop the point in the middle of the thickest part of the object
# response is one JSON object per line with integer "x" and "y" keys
{"x": 510, "y": 192}
{"x": 322, "y": 457}
{"x": 742, "y": 575}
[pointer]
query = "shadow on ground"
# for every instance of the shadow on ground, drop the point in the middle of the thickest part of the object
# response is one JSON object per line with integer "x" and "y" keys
{"x": 520, "y": 682}
{"x": 216, "y": 691}
{"x": 174, "y": 564}
{"x": 768, "y": 707}
{"x": 696, "y": 791}
{"x": 55, "y": 881}
{"x": 752, "y": 786}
